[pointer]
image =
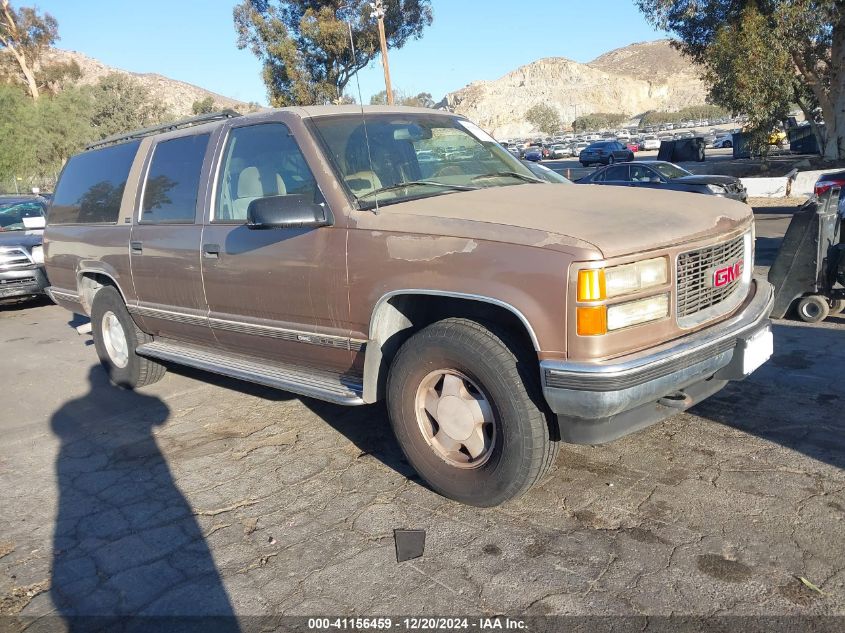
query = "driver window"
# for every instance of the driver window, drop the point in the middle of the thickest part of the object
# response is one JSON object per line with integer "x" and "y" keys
{"x": 642, "y": 174}
{"x": 260, "y": 161}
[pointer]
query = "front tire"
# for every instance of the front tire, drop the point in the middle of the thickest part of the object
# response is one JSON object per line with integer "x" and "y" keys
{"x": 115, "y": 338}
{"x": 466, "y": 408}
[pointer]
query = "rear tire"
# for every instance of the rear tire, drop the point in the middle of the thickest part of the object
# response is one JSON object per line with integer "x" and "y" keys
{"x": 727, "y": 145}
{"x": 837, "y": 306}
{"x": 493, "y": 393}
{"x": 115, "y": 338}
{"x": 813, "y": 309}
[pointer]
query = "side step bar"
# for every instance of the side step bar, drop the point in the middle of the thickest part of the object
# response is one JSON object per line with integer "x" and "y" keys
{"x": 311, "y": 383}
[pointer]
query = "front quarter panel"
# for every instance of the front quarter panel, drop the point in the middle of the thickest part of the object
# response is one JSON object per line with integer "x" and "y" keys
{"x": 531, "y": 280}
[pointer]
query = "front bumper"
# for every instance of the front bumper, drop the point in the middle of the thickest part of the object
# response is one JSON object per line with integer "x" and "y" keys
{"x": 601, "y": 401}
{"x": 22, "y": 283}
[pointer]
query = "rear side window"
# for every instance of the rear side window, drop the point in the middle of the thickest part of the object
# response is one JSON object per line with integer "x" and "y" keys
{"x": 91, "y": 186}
{"x": 618, "y": 172}
{"x": 170, "y": 192}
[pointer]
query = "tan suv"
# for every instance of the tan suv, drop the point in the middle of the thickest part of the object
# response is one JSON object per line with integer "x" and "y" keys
{"x": 402, "y": 254}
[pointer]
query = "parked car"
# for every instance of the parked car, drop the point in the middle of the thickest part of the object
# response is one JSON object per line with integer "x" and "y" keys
{"x": 650, "y": 143}
{"x": 724, "y": 141}
{"x": 299, "y": 249}
{"x": 605, "y": 153}
{"x": 663, "y": 175}
{"x": 560, "y": 151}
{"x": 22, "y": 221}
{"x": 828, "y": 181}
{"x": 533, "y": 153}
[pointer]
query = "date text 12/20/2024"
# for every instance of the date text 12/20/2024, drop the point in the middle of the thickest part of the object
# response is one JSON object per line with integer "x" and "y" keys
{"x": 417, "y": 624}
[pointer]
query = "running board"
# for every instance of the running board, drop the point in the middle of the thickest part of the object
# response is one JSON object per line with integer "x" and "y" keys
{"x": 310, "y": 383}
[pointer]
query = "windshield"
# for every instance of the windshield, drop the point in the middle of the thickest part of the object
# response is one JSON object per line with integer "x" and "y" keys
{"x": 414, "y": 156}
{"x": 670, "y": 171}
{"x": 15, "y": 216}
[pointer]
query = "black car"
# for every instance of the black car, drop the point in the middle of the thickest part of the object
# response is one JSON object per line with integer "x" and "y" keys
{"x": 22, "y": 221}
{"x": 663, "y": 175}
{"x": 605, "y": 153}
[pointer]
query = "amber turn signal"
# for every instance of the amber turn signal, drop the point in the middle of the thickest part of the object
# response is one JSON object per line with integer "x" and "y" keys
{"x": 592, "y": 321}
{"x": 591, "y": 285}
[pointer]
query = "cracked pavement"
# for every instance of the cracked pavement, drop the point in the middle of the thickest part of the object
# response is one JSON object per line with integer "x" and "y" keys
{"x": 207, "y": 496}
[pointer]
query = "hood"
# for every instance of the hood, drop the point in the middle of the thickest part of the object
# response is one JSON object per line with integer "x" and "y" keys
{"x": 614, "y": 220}
{"x": 21, "y": 238}
{"x": 706, "y": 180}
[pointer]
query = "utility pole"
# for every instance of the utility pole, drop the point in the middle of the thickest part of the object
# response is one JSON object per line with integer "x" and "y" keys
{"x": 378, "y": 8}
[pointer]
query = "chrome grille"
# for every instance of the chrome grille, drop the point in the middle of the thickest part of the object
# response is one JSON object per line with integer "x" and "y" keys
{"x": 696, "y": 290}
{"x": 14, "y": 258}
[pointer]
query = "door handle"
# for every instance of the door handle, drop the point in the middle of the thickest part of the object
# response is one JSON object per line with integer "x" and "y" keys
{"x": 136, "y": 246}
{"x": 211, "y": 250}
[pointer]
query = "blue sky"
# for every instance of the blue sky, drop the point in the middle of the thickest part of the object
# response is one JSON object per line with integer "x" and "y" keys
{"x": 194, "y": 40}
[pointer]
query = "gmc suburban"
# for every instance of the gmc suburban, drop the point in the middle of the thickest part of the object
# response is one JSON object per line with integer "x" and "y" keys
{"x": 358, "y": 255}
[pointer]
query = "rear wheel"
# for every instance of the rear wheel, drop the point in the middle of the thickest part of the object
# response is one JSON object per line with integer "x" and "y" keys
{"x": 610, "y": 160}
{"x": 115, "y": 338}
{"x": 727, "y": 145}
{"x": 837, "y": 306}
{"x": 813, "y": 309}
{"x": 466, "y": 407}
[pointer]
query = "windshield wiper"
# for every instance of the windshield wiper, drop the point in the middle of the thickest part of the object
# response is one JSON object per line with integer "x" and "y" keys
{"x": 512, "y": 174}
{"x": 417, "y": 183}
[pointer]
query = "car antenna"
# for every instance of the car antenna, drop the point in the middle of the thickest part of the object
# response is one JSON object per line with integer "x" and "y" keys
{"x": 361, "y": 103}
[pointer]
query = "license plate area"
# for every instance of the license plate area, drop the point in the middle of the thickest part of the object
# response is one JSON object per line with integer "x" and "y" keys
{"x": 756, "y": 350}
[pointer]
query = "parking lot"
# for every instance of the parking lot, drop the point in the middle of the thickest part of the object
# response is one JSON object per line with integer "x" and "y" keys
{"x": 203, "y": 495}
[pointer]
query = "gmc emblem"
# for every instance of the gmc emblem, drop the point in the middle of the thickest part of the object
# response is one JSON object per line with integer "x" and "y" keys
{"x": 724, "y": 276}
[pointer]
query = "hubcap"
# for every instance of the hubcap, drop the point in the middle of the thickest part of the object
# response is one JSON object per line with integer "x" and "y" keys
{"x": 455, "y": 418}
{"x": 114, "y": 340}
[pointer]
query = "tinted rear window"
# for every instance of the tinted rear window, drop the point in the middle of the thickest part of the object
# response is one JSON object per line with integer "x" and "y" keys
{"x": 170, "y": 193}
{"x": 91, "y": 186}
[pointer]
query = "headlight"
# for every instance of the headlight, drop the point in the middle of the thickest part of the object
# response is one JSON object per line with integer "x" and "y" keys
{"x": 629, "y": 278}
{"x": 38, "y": 254}
{"x": 718, "y": 190}
{"x": 639, "y": 311}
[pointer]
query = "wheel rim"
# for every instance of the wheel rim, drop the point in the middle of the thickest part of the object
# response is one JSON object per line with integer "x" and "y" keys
{"x": 455, "y": 418}
{"x": 811, "y": 310}
{"x": 114, "y": 340}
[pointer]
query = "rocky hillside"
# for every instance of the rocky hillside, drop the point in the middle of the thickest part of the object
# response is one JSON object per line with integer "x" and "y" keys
{"x": 631, "y": 80}
{"x": 177, "y": 95}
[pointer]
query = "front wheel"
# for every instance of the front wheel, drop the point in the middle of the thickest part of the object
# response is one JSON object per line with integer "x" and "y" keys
{"x": 115, "y": 338}
{"x": 466, "y": 408}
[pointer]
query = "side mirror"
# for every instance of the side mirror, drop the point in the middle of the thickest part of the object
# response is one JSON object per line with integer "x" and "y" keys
{"x": 285, "y": 212}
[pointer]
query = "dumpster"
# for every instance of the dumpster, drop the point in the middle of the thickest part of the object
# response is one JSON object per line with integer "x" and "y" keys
{"x": 684, "y": 149}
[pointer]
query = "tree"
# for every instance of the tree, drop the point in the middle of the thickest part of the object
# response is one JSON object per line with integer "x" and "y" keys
{"x": 544, "y": 117}
{"x": 203, "y": 106}
{"x": 304, "y": 45}
{"x": 760, "y": 56}
{"x": 26, "y": 34}
{"x": 422, "y": 100}
{"x": 120, "y": 103}
{"x": 599, "y": 121}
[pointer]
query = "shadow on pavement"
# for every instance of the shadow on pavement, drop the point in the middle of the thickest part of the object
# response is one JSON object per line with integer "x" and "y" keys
{"x": 126, "y": 542}
{"x": 796, "y": 399}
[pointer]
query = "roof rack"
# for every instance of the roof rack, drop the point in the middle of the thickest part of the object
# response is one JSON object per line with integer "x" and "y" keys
{"x": 164, "y": 127}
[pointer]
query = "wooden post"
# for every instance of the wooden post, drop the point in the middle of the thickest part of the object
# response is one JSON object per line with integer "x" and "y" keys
{"x": 384, "y": 60}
